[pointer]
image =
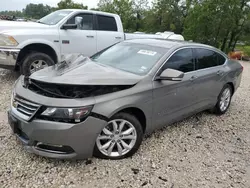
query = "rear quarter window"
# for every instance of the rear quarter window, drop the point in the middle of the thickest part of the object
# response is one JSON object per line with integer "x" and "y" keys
{"x": 208, "y": 58}
{"x": 220, "y": 59}
{"x": 106, "y": 23}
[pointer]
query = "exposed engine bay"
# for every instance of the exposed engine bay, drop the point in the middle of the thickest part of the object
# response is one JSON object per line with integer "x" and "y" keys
{"x": 72, "y": 91}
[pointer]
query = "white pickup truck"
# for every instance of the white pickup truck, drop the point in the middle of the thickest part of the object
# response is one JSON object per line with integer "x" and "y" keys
{"x": 31, "y": 46}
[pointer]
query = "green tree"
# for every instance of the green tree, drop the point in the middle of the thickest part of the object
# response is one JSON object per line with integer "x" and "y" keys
{"x": 218, "y": 23}
{"x": 139, "y": 8}
{"x": 124, "y": 8}
{"x": 167, "y": 15}
{"x": 12, "y": 13}
{"x": 36, "y": 11}
{"x": 69, "y": 4}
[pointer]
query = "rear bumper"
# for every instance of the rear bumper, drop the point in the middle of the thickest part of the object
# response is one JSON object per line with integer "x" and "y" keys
{"x": 8, "y": 57}
{"x": 57, "y": 140}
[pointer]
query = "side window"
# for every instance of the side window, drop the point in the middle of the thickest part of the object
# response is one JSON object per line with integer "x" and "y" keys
{"x": 220, "y": 59}
{"x": 86, "y": 24}
{"x": 205, "y": 59}
{"x": 106, "y": 23}
{"x": 182, "y": 60}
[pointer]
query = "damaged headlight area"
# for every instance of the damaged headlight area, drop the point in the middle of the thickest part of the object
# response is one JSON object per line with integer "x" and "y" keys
{"x": 67, "y": 115}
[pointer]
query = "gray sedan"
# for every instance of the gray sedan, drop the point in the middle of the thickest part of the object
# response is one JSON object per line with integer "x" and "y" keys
{"x": 103, "y": 105}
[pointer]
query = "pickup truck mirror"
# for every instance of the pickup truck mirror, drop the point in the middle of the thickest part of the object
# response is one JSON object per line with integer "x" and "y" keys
{"x": 170, "y": 74}
{"x": 78, "y": 20}
{"x": 69, "y": 26}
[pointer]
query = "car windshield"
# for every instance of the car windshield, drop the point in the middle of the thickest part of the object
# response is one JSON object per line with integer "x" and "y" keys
{"x": 54, "y": 17}
{"x": 130, "y": 57}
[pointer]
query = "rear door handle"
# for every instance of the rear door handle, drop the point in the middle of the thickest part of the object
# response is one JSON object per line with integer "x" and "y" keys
{"x": 118, "y": 37}
{"x": 90, "y": 36}
{"x": 220, "y": 73}
{"x": 193, "y": 78}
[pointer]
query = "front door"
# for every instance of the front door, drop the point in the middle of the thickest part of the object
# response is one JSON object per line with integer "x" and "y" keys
{"x": 81, "y": 40}
{"x": 173, "y": 100}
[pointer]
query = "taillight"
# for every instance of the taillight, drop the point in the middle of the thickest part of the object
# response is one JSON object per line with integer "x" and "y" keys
{"x": 242, "y": 68}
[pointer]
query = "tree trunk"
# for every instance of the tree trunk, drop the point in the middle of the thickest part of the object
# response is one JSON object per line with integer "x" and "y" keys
{"x": 137, "y": 21}
{"x": 224, "y": 42}
{"x": 235, "y": 42}
{"x": 233, "y": 34}
{"x": 216, "y": 44}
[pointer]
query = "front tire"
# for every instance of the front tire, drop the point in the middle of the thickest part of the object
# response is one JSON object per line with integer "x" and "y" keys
{"x": 120, "y": 138}
{"x": 35, "y": 61}
{"x": 224, "y": 100}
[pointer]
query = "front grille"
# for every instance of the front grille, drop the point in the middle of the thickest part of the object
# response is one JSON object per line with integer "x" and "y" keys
{"x": 25, "y": 107}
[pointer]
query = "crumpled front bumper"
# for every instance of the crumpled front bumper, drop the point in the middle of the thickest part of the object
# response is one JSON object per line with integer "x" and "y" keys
{"x": 77, "y": 139}
{"x": 8, "y": 57}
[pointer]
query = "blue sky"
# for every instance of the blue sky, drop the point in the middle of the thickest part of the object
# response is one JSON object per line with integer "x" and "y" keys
{"x": 20, "y": 4}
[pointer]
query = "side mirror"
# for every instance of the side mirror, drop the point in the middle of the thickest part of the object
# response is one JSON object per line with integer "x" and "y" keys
{"x": 171, "y": 74}
{"x": 78, "y": 20}
{"x": 69, "y": 26}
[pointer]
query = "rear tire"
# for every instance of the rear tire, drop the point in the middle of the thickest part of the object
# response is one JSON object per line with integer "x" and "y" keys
{"x": 35, "y": 61}
{"x": 122, "y": 143}
{"x": 224, "y": 100}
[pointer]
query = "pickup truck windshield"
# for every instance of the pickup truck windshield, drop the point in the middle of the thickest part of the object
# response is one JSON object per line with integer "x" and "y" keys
{"x": 130, "y": 57}
{"x": 54, "y": 17}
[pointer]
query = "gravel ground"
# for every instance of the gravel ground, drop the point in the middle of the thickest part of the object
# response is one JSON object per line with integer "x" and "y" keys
{"x": 201, "y": 151}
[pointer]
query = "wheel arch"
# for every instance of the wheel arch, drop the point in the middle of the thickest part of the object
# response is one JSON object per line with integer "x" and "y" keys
{"x": 137, "y": 112}
{"x": 232, "y": 86}
{"x": 37, "y": 47}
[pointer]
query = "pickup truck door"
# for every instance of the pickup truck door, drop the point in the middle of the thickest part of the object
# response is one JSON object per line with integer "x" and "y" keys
{"x": 107, "y": 31}
{"x": 80, "y": 40}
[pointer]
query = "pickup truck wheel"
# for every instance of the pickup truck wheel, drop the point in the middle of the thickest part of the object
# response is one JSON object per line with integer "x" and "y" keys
{"x": 35, "y": 61}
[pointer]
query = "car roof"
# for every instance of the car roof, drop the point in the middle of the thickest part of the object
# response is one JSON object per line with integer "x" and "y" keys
{"x": 167, "y": 43}
{"x": 173, "y": 44}
{"x": 89, "y": 11}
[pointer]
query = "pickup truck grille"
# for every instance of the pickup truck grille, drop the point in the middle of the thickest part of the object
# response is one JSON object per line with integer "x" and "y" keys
{"x": 26, "y": 108}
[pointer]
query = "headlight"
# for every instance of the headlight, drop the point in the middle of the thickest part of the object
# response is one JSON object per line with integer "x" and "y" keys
{"x": 71, "y": 115}
{"x": 6, "y": 40}
{"x": 12, "y": 100}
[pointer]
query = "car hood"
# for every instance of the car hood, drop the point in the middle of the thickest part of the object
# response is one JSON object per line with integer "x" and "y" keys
{"x": 88, "y": 73}
{"x": 10, "y": 25}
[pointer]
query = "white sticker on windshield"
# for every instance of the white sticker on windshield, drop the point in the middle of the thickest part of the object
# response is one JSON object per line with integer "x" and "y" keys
{"x": 147, "y": 52}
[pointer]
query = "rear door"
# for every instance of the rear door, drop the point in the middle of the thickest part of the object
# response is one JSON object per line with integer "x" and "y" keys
{"x": 208, "y": 76}
{"x": 81, "y": 40}
{"x": 107, "y": 32}
{"x": 173, "y": 100}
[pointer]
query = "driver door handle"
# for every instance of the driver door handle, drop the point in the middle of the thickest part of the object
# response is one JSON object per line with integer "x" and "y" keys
{"x": 90, "y": 36}
{"x": 193, "y": 78}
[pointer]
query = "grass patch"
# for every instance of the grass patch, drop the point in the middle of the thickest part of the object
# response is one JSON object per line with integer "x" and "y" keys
{"x": 245, "y": 49}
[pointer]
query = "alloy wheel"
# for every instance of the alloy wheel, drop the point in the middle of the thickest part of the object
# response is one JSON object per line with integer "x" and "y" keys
{"x": 117, "y": 138}
{"x": 225, "y": 99}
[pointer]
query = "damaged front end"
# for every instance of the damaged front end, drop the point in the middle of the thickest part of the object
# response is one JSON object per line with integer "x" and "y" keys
{"x": 79, "y": 77}
{"x": 73, "y": 91}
